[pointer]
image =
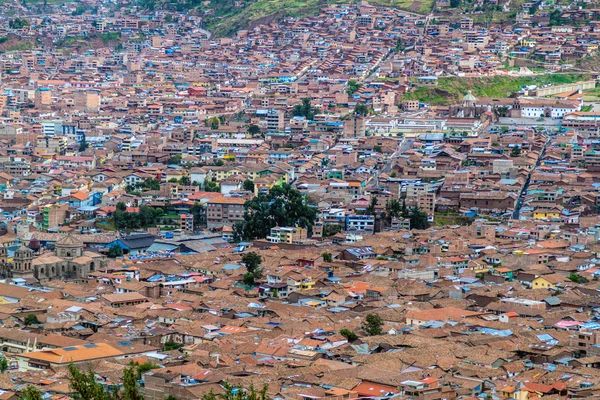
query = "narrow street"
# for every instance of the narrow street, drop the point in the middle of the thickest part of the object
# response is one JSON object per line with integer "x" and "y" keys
{"x": 519, "y": 203}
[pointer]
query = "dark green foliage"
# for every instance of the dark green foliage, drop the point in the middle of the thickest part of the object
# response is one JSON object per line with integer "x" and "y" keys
{"x": 18, "y": 23}
{"x": 31, "y": 319}
{"x": 171, "y": 346}
{"x": 304, "y": 110}
{"x": 147, "y": 216}
{"x": 31, "y": 393}
{"x": 418, "y": 218}
{"x": 349, "y": 335}
{"x": 115, "y": 251}
{"x": 331, "y": 230}
{"x": 85, "y": 386}
{"x": 248, "y": 278}
{"x": 327, "y": 257}
{"x": 175, "y": 159}
{"x": 84, "y": 144}
{"x": 253, "y": 130}
{"x": 281, "y": 206}
{"x": 148, "y": 184}
{"x": 199, "y": 214}
{"x": 210, "y": 186}
{"x": 372, "y": 325}
{"x": 353, "y": 87}
{"x": 577, "y": 278}
{"x": 371, "y": 208}
{"x": 252, "y": 262}
{"x": 362, "y": 110}
{"x": 248, "y": 185}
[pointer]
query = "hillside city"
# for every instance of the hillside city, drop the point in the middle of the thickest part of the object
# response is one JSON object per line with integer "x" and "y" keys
{"x": 276, "y": 199}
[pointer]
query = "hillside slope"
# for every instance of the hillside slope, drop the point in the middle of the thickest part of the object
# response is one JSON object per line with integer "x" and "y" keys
{"x": 225, "y": 17}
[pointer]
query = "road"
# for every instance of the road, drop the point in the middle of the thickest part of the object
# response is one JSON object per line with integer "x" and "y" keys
{"x": 519, "y": 203}
{"x": 402, "y": 147}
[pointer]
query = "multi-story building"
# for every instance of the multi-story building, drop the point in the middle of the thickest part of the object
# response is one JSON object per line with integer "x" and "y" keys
{"x": 224, "y": 211}
{"x": 360, "y": 223}
{"x": 287, "y": 235}
{"x": 186, "y": 222}
{"x": 54, "y": 215}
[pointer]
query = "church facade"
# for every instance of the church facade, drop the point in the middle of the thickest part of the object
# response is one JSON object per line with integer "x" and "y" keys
{"x": 68, "y": 261}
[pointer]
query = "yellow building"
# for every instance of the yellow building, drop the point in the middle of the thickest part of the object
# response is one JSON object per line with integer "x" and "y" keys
{"x": 546, "y": 215}
{"x": 550, "y": 281}
{"x": 287, "y": 235}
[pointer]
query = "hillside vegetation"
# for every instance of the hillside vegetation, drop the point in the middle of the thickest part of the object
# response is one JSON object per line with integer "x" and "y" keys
{"x": 451, "y": 90}
{"x": 225, "y": 18}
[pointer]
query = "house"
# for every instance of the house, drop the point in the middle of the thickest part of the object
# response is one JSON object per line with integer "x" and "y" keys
{"x": 135, "y": 242}
{"x": 550, "y": 281}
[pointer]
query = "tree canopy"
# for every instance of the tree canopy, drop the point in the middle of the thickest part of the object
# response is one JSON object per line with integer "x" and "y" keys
{"x": 304, "y": 110}
{"x": 281, "y": 206}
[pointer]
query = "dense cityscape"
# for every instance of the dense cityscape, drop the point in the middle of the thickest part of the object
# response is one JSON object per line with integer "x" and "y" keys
{"x": 307, "y": 200}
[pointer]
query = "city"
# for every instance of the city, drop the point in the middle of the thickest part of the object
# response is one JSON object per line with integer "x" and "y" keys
{"x": 282, "y": 199}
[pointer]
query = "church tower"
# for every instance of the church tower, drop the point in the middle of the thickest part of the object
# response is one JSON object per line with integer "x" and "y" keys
{"x": 3, "y": 254}
{"x": 22, "y": 261}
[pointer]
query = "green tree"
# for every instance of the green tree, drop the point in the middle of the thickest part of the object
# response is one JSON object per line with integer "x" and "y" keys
{"x": 213, "y": 123}
{"x": 248, "y": 185}
{"x": 175, "y": 159}
{"x": 371, "y": 208}
{"x": 85, "y": 386}
{"x": 304, "y": 109}
{"x": 248, "y": 278}
{"x": 18, "y": 23}
{"x": 115, "y": 251}
{"x": 254, "y": 130}
{"x": 31, "y": 319}
{"x": 83, "y": 145}
{"x": 377, "y": 148}
{"x": 199, "y": 213}
{"x": 281, "y": 206}
{"x": 331, "y": 230}
{"x": 372, "y": 325}
{"x": 515, "y": 152}
{"x": 327, "y": 257}
{"x": 393, "y": 208}
{"x": 353, "y": 87}
{"x": 349, "y": 335}
{"x": 238, "y": 393}
{"x": 168, "y": 346}
{"x": 31, "y": 393}
{"x": 418, "y": 218}
{"x": 252, "y": 262}
{"x": 577, "y": 278}
{"x": 3, "y": 364}
{"x": 130, "y": 384}
{"x": 362, "y": 110}
{"x": 151, "y": 184}
{"x": 121, "y": 206}
{"x": 144, "y": 367}
{"x": 399, "y": 46}
{"x": 210, "y": 186}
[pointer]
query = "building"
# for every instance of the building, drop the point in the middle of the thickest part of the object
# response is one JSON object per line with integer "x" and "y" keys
{"x": 275, "y": 121}
{"x": 186, "y": 223}
{"x": 61, "y": 357}
{"x": 287, "y": 235}
{"x": 360, "y": 223}
{"x": 68, "y": 261}
{"x": 224, "y": 211}
{"x": 54, "y": 215}
{"x": 88, "y": 100}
